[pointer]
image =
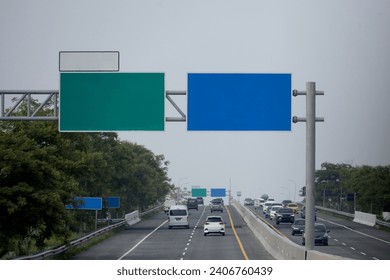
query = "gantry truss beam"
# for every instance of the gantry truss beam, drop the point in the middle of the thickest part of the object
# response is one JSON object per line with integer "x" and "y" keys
{"x": 11, "y": 100}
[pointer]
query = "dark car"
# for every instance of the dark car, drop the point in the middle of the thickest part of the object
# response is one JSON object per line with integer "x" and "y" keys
{"x": 192, "y": 203}
{"x": 200, "y": 200}
{"x": 286, "y": 202}
{"x": 298, "y": 227}
{"x": 284, "y": 215}
{"x": 216, "y": 206}
{"x": 320, "y": 235}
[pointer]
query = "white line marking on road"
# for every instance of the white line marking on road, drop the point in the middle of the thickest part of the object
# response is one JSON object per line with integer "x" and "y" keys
{"x": 193, "y": 231}
{"x": 353, "y": 248}
{"x": 142, "y": 240}
{"x": 362, "y": 233}
{"x": 364, "y": 254}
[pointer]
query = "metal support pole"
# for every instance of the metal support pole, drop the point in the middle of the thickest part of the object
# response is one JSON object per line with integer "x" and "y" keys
{"x": 310, "y": 120}
{"x": 2, "y": 113}
{"x": 310, "y": 164}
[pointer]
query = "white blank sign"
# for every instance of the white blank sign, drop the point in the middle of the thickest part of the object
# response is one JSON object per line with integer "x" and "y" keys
{"x": 88, "y": 61}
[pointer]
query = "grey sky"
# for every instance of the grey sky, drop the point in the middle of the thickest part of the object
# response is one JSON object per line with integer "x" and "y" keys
{"x": 343, "y": 46}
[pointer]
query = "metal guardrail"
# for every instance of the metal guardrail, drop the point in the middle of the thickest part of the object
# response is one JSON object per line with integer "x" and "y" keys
{"x": 62, "y": 249}
{"x": 346, "y": 214}
{"x": 383, "y": 223}
{"x": 350, "y": 215}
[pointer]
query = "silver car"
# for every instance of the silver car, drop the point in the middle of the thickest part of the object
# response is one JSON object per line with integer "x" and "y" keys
{"x": 216, "y": 206}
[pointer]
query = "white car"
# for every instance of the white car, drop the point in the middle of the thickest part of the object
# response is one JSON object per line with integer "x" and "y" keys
{"x": 272, "y": 212}
{"x": 214, "y": 224}
{"x": 265, "y": 207}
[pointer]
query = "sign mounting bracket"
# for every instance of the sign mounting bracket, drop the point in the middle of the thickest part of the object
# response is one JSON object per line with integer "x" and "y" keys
{"x": 183, "y": 117}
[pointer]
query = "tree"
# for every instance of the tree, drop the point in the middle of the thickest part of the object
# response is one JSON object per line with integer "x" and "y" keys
{"x": 371, "y": 184}
{"x": 41, "y": 170}
{"x": 33, "y": 186}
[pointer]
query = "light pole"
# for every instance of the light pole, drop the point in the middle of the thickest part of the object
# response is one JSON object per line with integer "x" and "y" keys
{"x": 179, "y": 185}
{"x": 289, "y": 194}
{"x": 295, "y": 189}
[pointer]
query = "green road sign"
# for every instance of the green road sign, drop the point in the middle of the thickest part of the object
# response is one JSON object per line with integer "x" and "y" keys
{"x": 199, "y": 193}
{"x": 111, "y": 101}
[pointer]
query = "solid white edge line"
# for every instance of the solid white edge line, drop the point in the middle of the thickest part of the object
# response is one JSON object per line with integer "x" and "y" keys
{"x": 143, "y": 239}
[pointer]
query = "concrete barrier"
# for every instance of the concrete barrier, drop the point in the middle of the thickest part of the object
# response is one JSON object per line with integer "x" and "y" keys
{"x": 132, "y": 218}
{"x": 365, "y": 218}
{"x": 315, "y": 255}
{"x": 278, "y": 245}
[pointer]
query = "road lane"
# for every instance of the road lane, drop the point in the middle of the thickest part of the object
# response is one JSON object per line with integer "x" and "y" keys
{"x": 347, "y": 239}
{"x": 151, "y": 239}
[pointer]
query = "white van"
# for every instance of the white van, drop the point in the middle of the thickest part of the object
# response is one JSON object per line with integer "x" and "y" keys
{"x": 178, "y": 216}
{"x": 258, "y": 202}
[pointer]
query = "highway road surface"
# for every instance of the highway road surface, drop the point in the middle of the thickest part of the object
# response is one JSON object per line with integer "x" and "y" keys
{"x": 151, "y": 239}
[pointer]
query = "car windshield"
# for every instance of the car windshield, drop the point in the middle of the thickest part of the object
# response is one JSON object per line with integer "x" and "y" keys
{"x": 320, "y": 228}
{"x": 285, "y": 210}
{"x": 178, "y": 212}
{"x": 214, "y": 219}
{"x": 299, "y": 222}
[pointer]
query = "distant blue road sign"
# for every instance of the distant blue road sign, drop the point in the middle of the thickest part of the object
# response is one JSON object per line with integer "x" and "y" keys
{"x": 218, "y": 192}
{"x": 239, "y": 102}
{"x": 113, "y": 202}
{"x": 86, "y": 203}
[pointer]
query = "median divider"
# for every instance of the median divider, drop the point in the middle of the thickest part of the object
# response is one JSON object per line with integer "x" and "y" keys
{"x": 279, "y": 246}
{"x": 365, "y": 218}
{"x": 132, "y": 218}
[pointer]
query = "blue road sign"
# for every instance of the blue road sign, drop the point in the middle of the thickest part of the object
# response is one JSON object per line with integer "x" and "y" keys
{"x": 239, "y": 102}
{"x": 218, "y": 192}
{"x": 86, "y": 203}
{"x": 113, "y": 202}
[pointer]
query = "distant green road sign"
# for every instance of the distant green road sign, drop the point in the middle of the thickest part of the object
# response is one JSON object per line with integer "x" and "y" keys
{"x": 199, "y": 193}
{"x": 111, "y": 101}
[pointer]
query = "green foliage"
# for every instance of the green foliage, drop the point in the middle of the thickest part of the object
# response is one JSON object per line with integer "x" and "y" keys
{"x": 41, "y": 170}
{"x": 371, "y": 185}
